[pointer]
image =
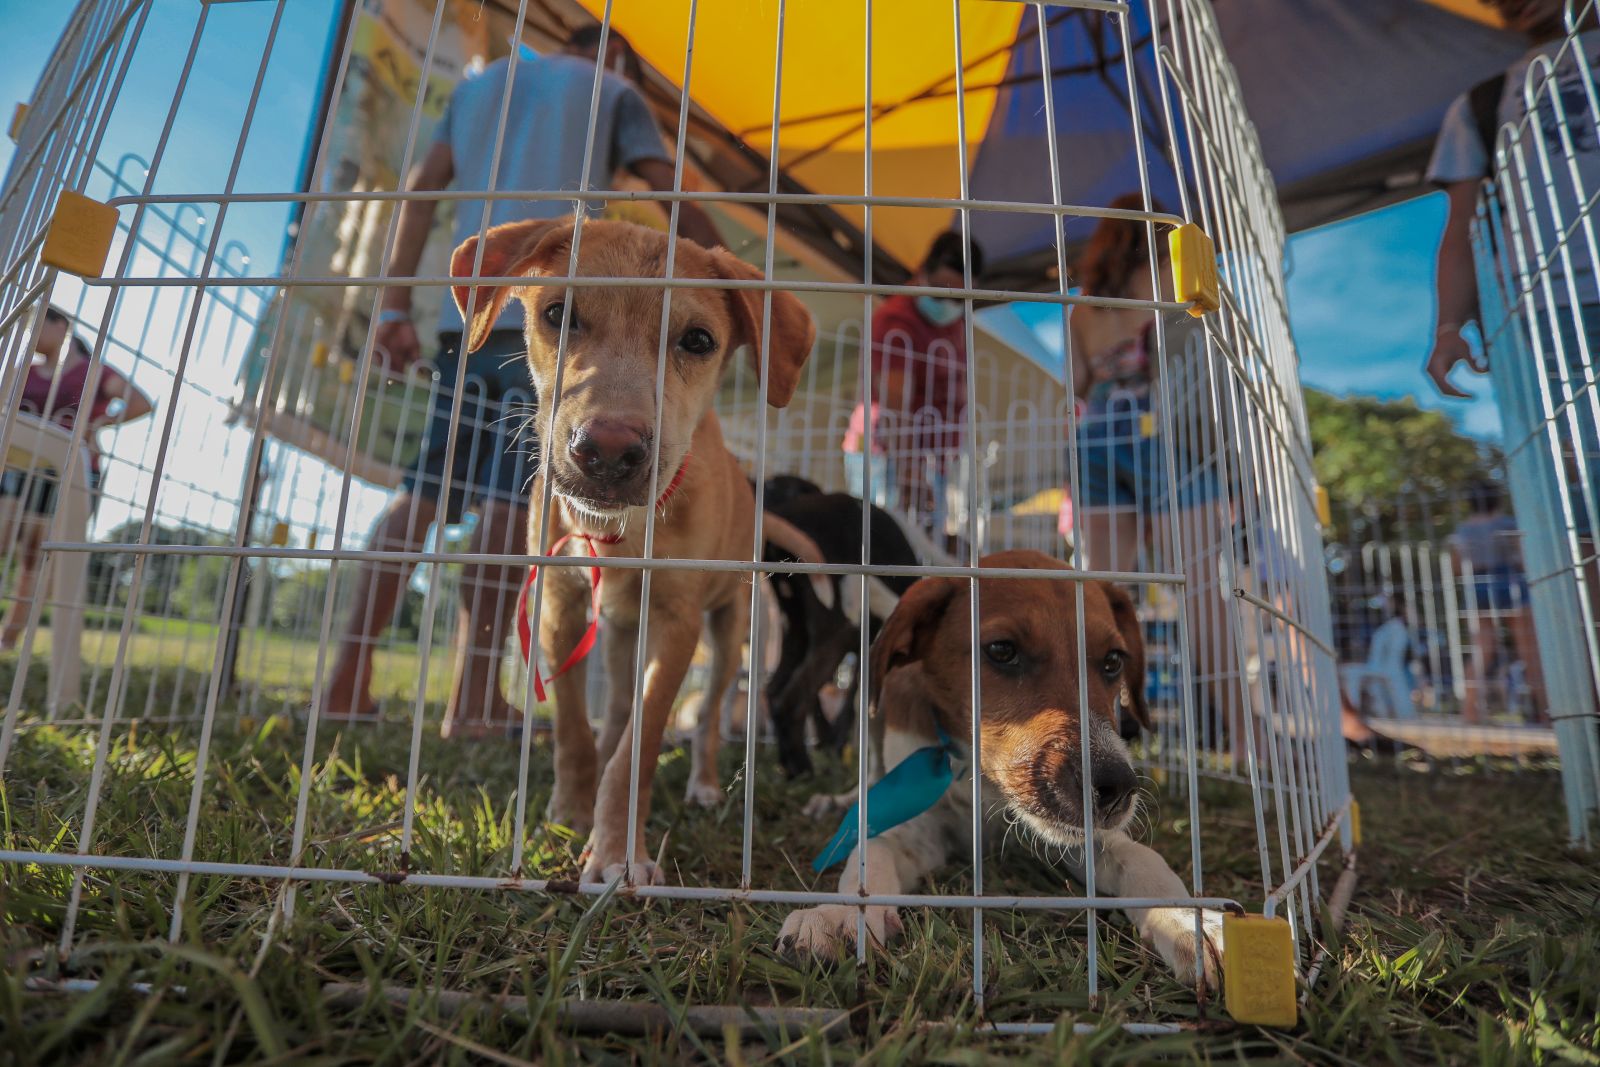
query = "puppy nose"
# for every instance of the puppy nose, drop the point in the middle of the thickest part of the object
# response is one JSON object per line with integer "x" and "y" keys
{"x": 1114, "y": 784}
{"x": 608, "y": 451}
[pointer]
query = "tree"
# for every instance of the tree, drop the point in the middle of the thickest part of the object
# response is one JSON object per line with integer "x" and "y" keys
{"x": 297, "y": 600}
{"x": 111, "y": 573}
{"x": 1391, "y": 469}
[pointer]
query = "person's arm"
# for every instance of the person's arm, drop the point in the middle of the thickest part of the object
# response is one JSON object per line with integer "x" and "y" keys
{"x": 1078, "y": 353}
{"x": 1457, "y": 288}
{"x": 693, "y": 222}
{"x": 135, "y": 404}
{"x": 637, "y": 147}
{"x": 398, "y": 336}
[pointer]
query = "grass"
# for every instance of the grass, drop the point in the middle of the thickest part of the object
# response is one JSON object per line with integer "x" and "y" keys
{"x": 169, "y": 664}
{"x": 1473, "y": 935}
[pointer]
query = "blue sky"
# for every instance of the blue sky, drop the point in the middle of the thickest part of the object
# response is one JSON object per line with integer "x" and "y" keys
{"x": 1362, "y": 306}
{"x": 1360, "y": 291}
{"x": 207, "y": 126}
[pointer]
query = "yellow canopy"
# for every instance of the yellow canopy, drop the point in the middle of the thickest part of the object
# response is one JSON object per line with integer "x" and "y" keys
{"x": 1340, "y": 126}
{"x": 822, "y": 115}
{"x": 1472, "y": 9}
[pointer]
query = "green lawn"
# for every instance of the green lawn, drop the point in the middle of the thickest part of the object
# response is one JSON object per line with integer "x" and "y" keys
{"x": 1472, "y": 937}
{"x": 169, "y": 663}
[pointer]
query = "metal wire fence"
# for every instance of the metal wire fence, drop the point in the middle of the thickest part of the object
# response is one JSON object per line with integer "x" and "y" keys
{"x": 1535, "y": 241}
{"x": 229, "y": 543}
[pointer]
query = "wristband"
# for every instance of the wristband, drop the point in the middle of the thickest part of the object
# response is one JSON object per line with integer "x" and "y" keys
{"x": 388, "y": 315}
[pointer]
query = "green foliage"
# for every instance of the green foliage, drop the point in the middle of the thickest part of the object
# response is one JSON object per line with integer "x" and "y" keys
{"x": 1400, "y": 469}
{"x": 297, "y": 599}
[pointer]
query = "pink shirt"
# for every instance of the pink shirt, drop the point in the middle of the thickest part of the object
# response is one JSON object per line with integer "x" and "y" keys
{"x": 63, "y": 406}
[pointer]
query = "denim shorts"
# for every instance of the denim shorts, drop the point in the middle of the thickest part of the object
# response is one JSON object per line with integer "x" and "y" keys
{"x": 37, "y": 489}
{"x": 1122, "y": 459}
{"x": 495, "y": 455}
{"x": 1500, "y": 591}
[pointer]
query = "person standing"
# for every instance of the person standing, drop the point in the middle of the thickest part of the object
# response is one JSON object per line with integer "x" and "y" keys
{"x": 1565, "y": 329}
{"x": 919, "y": 387}
{"x": 547, "y": 120}
{"x": 1488, "y": 552}
{"x": 54, "y": 391}
{"x": 1125, "y": 488}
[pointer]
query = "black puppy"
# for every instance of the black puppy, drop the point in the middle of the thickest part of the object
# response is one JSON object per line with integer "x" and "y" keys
{"x": 782, "y": 488}
{"x": 817, "y": 636}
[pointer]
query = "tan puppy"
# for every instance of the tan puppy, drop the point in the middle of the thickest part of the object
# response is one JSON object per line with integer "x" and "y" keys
{"x": 598, "y": 463}
{"x": 1030, "y": 729}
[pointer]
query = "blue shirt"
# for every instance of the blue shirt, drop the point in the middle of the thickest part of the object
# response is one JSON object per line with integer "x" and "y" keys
{"x": 546, "y": 128}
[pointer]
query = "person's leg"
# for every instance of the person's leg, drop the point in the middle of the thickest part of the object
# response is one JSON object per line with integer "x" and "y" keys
{"x": 403, "y": 527}
{"x": 1484, "y": 637}
{"x": 1527, "y": 646}
{"x": 498, "y": 444}
{"x": 1202, "y": 528}
{"x": 378, "y": 586}
{"x": 1108, "y": 535}
{"x": 1485, "y": 642}
{"x": 30, "y": 531}
{"x": 487, "y": 611}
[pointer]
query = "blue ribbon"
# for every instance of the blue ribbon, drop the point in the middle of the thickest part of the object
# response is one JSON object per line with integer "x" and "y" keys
{"x": 914, "y": 785}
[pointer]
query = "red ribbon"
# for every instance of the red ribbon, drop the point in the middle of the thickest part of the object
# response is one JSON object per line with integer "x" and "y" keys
{"x": 591, "y": 633}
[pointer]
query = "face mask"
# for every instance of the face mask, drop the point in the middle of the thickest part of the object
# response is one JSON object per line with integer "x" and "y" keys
{"x": 938, "y": 310}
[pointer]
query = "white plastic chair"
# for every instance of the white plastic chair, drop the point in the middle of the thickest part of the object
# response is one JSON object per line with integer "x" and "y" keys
{"x": 1385, "y": 671}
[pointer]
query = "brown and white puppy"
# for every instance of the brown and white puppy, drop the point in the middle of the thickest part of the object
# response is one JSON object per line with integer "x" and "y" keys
{"x": 1031, "y": 729}
{"x": 598, "y": 463}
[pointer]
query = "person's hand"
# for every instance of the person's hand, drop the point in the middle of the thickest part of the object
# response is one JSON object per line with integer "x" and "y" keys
{"x": 398, "y": 338}
{"x": 1449, "y": 349}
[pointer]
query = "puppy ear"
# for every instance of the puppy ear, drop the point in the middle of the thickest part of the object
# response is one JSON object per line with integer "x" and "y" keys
{"x": 790, "y": 334}
{"x": 508, "y": 249}
{"x": 905, "y": 635}
{"x": 1127, "y": 620}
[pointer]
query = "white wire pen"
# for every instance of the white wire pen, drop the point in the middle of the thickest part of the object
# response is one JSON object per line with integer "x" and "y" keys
{"x": 272, "y": 373}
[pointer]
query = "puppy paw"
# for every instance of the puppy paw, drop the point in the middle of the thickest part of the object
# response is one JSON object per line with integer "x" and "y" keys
{"x": 703, "y": 794}
{"x": 604, "y": 870}
{"x": 571, "y": 810}
{"x": 825, "y": 932}
{"x": 1171, "y": 932}
{"x": 643, "y": 872}
{"x": 606, "y": 856}
{"x": 825, "y": 805}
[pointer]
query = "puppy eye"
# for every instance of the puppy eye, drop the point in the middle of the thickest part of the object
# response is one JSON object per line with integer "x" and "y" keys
{"x": 1001, "y": 653}
{"x": 552, "y": 316}
{"x": 1112, "y": 665}
{"x": 697, "y": 342}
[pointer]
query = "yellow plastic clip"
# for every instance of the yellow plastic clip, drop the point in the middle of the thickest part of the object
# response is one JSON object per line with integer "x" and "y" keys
{"x": 18, "y": 117}
{"x": 280, "y": 534}
{"x": 79, "y": 238}
{"x": 347, "y": 371}
{"x": 1147, "y": 424}
{"x": 1258, "y": 970}
{"x": 1194, "y": 269}
{"x": 319, "y": 354}
{"x": 1355, "y": 824}
{"x": 311, "y": 539}
{"x": 1324, "y": 509}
